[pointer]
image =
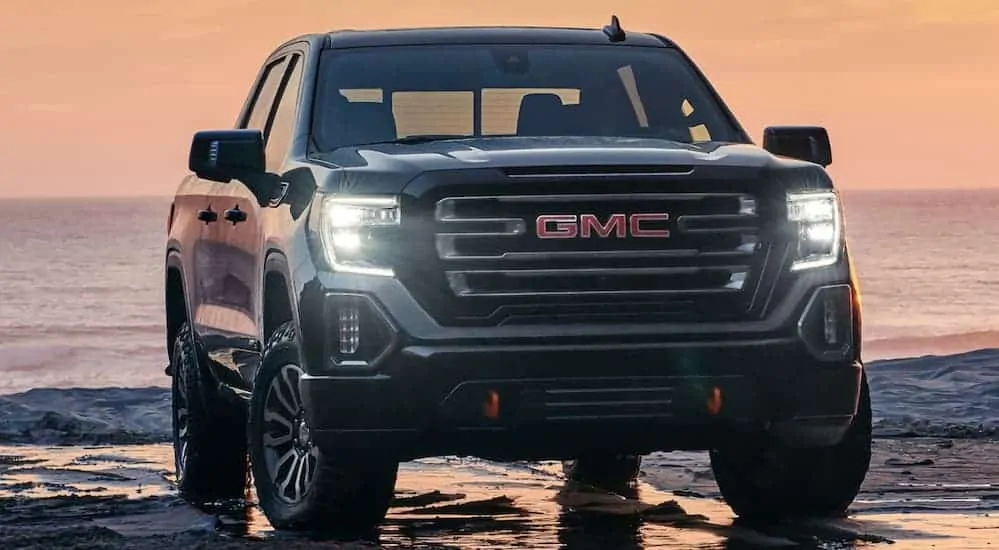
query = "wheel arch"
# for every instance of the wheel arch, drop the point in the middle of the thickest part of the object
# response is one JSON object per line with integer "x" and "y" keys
{"x": 278, "y": 301}
{"x": 175, "y": 300}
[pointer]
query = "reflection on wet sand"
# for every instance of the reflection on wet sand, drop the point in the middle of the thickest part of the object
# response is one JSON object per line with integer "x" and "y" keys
{"x": 439, "y": 503}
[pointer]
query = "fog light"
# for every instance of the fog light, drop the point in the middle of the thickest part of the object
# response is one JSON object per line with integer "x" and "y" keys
{"x": 349, "y": 327}
{"x": 360, "y": 334}
{"x": 826, "y": 325}
{"x": 830, "y": 320}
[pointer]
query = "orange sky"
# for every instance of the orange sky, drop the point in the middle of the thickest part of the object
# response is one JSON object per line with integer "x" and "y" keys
{"x": 99, "y": 97}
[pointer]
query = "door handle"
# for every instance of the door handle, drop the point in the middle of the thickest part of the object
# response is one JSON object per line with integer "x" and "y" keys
{"x": 235, "y": 215}
{"x": 208, "y": 215}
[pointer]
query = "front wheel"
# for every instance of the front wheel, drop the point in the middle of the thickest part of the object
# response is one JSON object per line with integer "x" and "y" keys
{"x": 771, "y": 482}
{"x": 300, "y": 487}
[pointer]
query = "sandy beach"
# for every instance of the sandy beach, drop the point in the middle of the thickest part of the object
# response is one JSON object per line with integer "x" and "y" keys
{"x": 921, "y": 493}
{"x": 93, "y": 469}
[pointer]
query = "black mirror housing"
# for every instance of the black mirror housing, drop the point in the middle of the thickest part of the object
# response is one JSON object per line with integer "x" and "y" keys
{"x": 222, "y": 155}
{"x": 807, "y": 143}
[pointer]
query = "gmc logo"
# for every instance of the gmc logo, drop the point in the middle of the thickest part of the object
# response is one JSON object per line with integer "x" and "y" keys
{"x": 570, "y": 226}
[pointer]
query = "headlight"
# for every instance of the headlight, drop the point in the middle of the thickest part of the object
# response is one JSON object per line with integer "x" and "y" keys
{"x": 353, "y": 231}
{"x": 819, "y": 227}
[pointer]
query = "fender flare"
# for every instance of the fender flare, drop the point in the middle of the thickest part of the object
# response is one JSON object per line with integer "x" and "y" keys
{"x": 275, "y": 262}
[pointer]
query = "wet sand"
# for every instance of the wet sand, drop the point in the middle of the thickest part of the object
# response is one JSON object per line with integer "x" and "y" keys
{"x": 921, "y": 493}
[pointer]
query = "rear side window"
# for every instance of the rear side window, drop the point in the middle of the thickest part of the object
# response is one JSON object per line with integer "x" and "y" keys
{"x": 282, "y": 125}
{"x": 263, "y": 98}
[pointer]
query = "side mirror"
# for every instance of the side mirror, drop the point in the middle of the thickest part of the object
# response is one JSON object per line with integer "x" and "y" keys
{"x": 222, "y": 155}
{"x": 807, "y": 143}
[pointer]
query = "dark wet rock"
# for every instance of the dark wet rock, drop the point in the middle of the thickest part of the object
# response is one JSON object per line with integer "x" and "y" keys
{"x": 21, "y": 510}
{"x": 497, "y": 506}
{"x": 903, "y": 462}
{"x": 688, "y": 494}
{"x": 670, "y": 511}
{"x": 425, "y": 499}
{"x": 93, "y": 459}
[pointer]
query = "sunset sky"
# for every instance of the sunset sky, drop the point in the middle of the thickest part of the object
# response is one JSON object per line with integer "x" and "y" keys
{"x": 100, "y": 97}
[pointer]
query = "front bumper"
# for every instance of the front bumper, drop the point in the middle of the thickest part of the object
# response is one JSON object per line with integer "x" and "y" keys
{"x": 561, "y": 402}
{"x": 556, "y": 392}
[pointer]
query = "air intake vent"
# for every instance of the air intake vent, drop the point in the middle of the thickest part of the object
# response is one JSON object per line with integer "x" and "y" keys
{"x": 598, "y": 171}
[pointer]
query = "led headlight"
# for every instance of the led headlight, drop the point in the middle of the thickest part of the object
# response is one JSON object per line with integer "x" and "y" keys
{"x": 354, "y": 230}
{"x": 819, "y": 227}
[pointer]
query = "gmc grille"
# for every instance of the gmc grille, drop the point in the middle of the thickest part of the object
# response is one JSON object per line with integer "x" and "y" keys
{"x": 493, "y": 268}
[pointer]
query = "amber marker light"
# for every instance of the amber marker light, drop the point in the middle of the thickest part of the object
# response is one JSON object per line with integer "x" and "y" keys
{"x": 491, "y": 406}
{"x": 715, "y": 401}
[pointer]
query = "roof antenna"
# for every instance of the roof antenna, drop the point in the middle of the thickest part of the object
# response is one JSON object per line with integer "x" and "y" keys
{"x": 614, "y": 30}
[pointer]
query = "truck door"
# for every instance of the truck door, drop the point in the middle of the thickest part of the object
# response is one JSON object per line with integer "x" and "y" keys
{"x": 244, "y": 225}
{"x": 232, "y": 288}
{"x": 192, "y": 217}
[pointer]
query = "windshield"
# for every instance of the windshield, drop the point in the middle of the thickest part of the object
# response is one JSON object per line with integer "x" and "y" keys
{"x": 383, "y": 94}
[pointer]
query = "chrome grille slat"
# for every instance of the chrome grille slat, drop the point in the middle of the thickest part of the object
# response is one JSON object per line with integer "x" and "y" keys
{"x": 582, "y": 175}
{"x": 589, "y": 197}
{"x": 720, "y": 230}
{"x": 605, "y": 271}
{"x": 577, "y": 255}
{"x": 655, "y": 292}
{"x": 684, "y": 221}
{"x": 447, "y": 239}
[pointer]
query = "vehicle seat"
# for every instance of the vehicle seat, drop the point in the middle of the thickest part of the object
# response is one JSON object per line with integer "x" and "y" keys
{"x": 541, "y": 115}
{"x": 355, "y": 122}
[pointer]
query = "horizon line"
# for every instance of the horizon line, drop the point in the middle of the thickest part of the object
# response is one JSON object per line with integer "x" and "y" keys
{"x": 168, "y": 196}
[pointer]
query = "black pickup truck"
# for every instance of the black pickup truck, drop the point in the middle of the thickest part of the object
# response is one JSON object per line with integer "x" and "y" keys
{"x": 510, "y": 243}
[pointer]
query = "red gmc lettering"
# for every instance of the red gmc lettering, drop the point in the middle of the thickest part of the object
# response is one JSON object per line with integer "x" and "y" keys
{"x": 616, "y": 224}
{"x": 564, "y": 226}
{"x": 570, "y": 226}
{"x": 636, "y": 225}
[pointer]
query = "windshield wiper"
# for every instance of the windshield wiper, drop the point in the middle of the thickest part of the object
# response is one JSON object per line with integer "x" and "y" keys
{"x": 416, "y": 139}
{"x": 428, "y": 138}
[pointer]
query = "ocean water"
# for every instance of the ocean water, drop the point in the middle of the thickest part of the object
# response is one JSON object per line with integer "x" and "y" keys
{"x": 81, "y": 307}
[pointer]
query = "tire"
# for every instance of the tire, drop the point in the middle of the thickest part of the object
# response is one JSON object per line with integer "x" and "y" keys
{"x": 300, "y": 487}
{"x": 604, "y": 470}
{"x": 772, "y": 482}
{"x": 208, "y": 437}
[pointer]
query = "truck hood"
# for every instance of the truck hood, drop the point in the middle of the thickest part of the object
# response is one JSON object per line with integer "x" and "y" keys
{"x": 387, "y": 168}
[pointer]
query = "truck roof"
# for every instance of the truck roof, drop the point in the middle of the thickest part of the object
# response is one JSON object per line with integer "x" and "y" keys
{"x": 487, "y": 35}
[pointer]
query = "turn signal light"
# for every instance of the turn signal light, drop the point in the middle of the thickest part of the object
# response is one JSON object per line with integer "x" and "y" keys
{"x": 491, "y": 405}
{"x": 715, "y": 401}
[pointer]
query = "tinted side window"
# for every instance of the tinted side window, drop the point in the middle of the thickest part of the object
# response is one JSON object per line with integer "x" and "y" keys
{"x": 281, "y": 128}
{"x": 264, "y": 99}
